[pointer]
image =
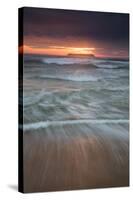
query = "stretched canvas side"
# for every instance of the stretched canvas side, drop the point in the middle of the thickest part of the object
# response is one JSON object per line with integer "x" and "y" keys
{"x": 20, "y": 106}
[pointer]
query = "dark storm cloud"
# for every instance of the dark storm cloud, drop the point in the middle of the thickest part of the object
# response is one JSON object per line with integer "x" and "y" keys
{"x": 56, "y": 24}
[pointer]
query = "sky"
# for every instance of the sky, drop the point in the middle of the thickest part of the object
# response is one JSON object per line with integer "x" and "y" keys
{"x": 63, "y": 32}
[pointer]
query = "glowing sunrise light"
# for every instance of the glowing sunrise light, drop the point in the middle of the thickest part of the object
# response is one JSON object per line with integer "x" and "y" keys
{"x": 78, "y": 50}
{"x": 57, "y": 50}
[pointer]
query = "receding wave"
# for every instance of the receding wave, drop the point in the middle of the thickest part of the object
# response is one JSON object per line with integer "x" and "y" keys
{"x": 112, "y": 65}
{"x": 66, "y": 61}
{"x": 45, "y": 124}
{"x": 81, "y": 78}
{"x": 96, "y": 63}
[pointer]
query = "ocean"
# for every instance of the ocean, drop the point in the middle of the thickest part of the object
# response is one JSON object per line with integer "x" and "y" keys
{"x": 60, "y": 89}
{"x": 79, "y": 106}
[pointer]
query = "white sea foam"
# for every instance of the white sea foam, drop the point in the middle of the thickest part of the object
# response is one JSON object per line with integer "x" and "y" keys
{"x": 81, "y": 78}
{"x": 67, "y": 61}
{"x": 100, "y": 63}
{"x": 45, "y": 124}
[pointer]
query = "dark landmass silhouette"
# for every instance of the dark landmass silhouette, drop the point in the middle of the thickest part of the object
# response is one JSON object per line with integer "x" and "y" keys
{"x": 81, "y": 55}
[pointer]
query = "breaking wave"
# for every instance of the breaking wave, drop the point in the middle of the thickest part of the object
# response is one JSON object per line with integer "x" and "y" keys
{"x": 82, "y": 78}
{"x": 91, "y": 62}
{"x": 45, "y": 124}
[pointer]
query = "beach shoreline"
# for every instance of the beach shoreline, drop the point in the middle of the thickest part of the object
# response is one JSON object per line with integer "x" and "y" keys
{"x": 88, "y": 158}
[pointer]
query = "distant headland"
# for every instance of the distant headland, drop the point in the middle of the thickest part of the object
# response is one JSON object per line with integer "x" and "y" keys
{"x": 81, "y": 55}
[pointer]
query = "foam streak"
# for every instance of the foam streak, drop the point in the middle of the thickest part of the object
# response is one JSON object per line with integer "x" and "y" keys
{"x": 45, "y": 124}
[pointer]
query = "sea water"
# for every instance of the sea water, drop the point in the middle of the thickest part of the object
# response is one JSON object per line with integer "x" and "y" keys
{"x": 59, "y": 90}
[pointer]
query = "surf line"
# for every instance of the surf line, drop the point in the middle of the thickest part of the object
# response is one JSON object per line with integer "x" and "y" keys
{"x": 45, "y": 124}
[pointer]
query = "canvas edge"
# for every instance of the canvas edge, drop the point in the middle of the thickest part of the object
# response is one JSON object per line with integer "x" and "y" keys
{"x": 20, "y": 107}
{"x": 74, "y": 10}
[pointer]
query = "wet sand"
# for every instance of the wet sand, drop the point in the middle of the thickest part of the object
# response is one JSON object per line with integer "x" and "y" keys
{"x": 78, "y": 156}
